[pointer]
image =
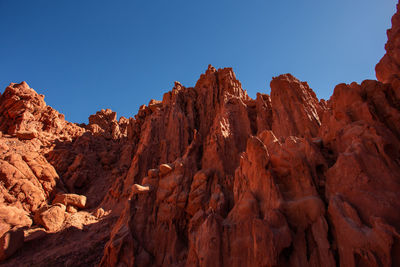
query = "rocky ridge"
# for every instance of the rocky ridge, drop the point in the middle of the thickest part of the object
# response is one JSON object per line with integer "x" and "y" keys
{"x": 207, "y": 177}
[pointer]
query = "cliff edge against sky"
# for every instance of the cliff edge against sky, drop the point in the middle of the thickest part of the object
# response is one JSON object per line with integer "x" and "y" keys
{"x": 208, "y": 176}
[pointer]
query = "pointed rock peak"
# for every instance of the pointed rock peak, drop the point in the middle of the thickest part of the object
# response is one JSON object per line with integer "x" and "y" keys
{"x": 287, "y": 84}
{"x": 295, "y": 107}
{"x": 221, "y": 82}
{"x": 104, "y": 123}
{"x": 285, "y": 77}
{"x": 229, "y": 84}
{"x": 210, "y": 69}
{"x": 106, "y": 115}
{"x": 177, "y": 85}
{"x": 227, "y": 72}
{"x": 24, "y": 92}
{"x": 17, "y": 88}
{"x": 388, "y": 68}
{"x": 22, "y": 85}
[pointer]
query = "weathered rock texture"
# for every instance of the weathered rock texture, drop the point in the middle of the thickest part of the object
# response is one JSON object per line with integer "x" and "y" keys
{"x": 208, "y": 177}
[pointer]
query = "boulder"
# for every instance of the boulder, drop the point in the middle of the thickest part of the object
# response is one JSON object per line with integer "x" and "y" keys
{"x": 99, "y": 213}
{"x": 26, "y": 135}
{"x": 51, "y": 218}
{"x": 75, "y": 200}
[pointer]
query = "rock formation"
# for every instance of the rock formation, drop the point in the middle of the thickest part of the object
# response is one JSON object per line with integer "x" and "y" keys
{"x": 208, "y": 176}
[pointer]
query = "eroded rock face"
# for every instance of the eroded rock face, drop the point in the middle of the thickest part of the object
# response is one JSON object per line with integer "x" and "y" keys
{"x": 42, "y": 157}
{"x": 388, "y": 67}
{"x": 25, "y": 114}
{"x": 295, "y": 107}
{"x": 10, "y": 242}
{"x": 208, "y": 176}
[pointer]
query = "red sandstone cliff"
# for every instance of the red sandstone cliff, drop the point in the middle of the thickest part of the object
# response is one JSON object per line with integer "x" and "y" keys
{"x": 207, "y": 177}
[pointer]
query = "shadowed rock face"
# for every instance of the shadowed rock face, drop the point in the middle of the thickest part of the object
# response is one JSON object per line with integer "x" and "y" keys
{"x": 207, "y": 177}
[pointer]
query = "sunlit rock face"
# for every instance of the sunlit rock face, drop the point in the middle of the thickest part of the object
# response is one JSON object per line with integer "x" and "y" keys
{"x": 207, "y": 176}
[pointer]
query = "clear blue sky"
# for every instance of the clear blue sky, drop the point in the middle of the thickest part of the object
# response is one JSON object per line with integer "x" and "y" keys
{"x": 88, "y": 55}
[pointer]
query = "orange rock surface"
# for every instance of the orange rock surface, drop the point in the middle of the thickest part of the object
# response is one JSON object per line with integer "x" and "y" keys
{"x": 208, "y": 176}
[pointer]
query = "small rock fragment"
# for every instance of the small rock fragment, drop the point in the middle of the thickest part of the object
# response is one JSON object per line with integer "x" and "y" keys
{"x": 99, "y": 213}
{"x": 71, "y": 209}
{"x": 165, "y": 169}
{"x": 137, "y": 189}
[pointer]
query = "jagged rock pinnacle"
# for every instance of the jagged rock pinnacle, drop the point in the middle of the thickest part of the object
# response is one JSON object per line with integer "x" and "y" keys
{"x": 207, "y": 177}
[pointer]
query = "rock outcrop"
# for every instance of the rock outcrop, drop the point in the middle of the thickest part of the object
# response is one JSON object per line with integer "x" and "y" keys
{"x": 208, "y": 176}
{"x": 388, "y": 67}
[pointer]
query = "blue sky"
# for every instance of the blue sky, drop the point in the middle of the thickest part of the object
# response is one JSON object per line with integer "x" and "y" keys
{"x": 88, "y": 55}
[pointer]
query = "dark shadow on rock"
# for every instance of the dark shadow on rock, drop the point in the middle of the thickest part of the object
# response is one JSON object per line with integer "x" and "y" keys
{"x": 70, "y": 247}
